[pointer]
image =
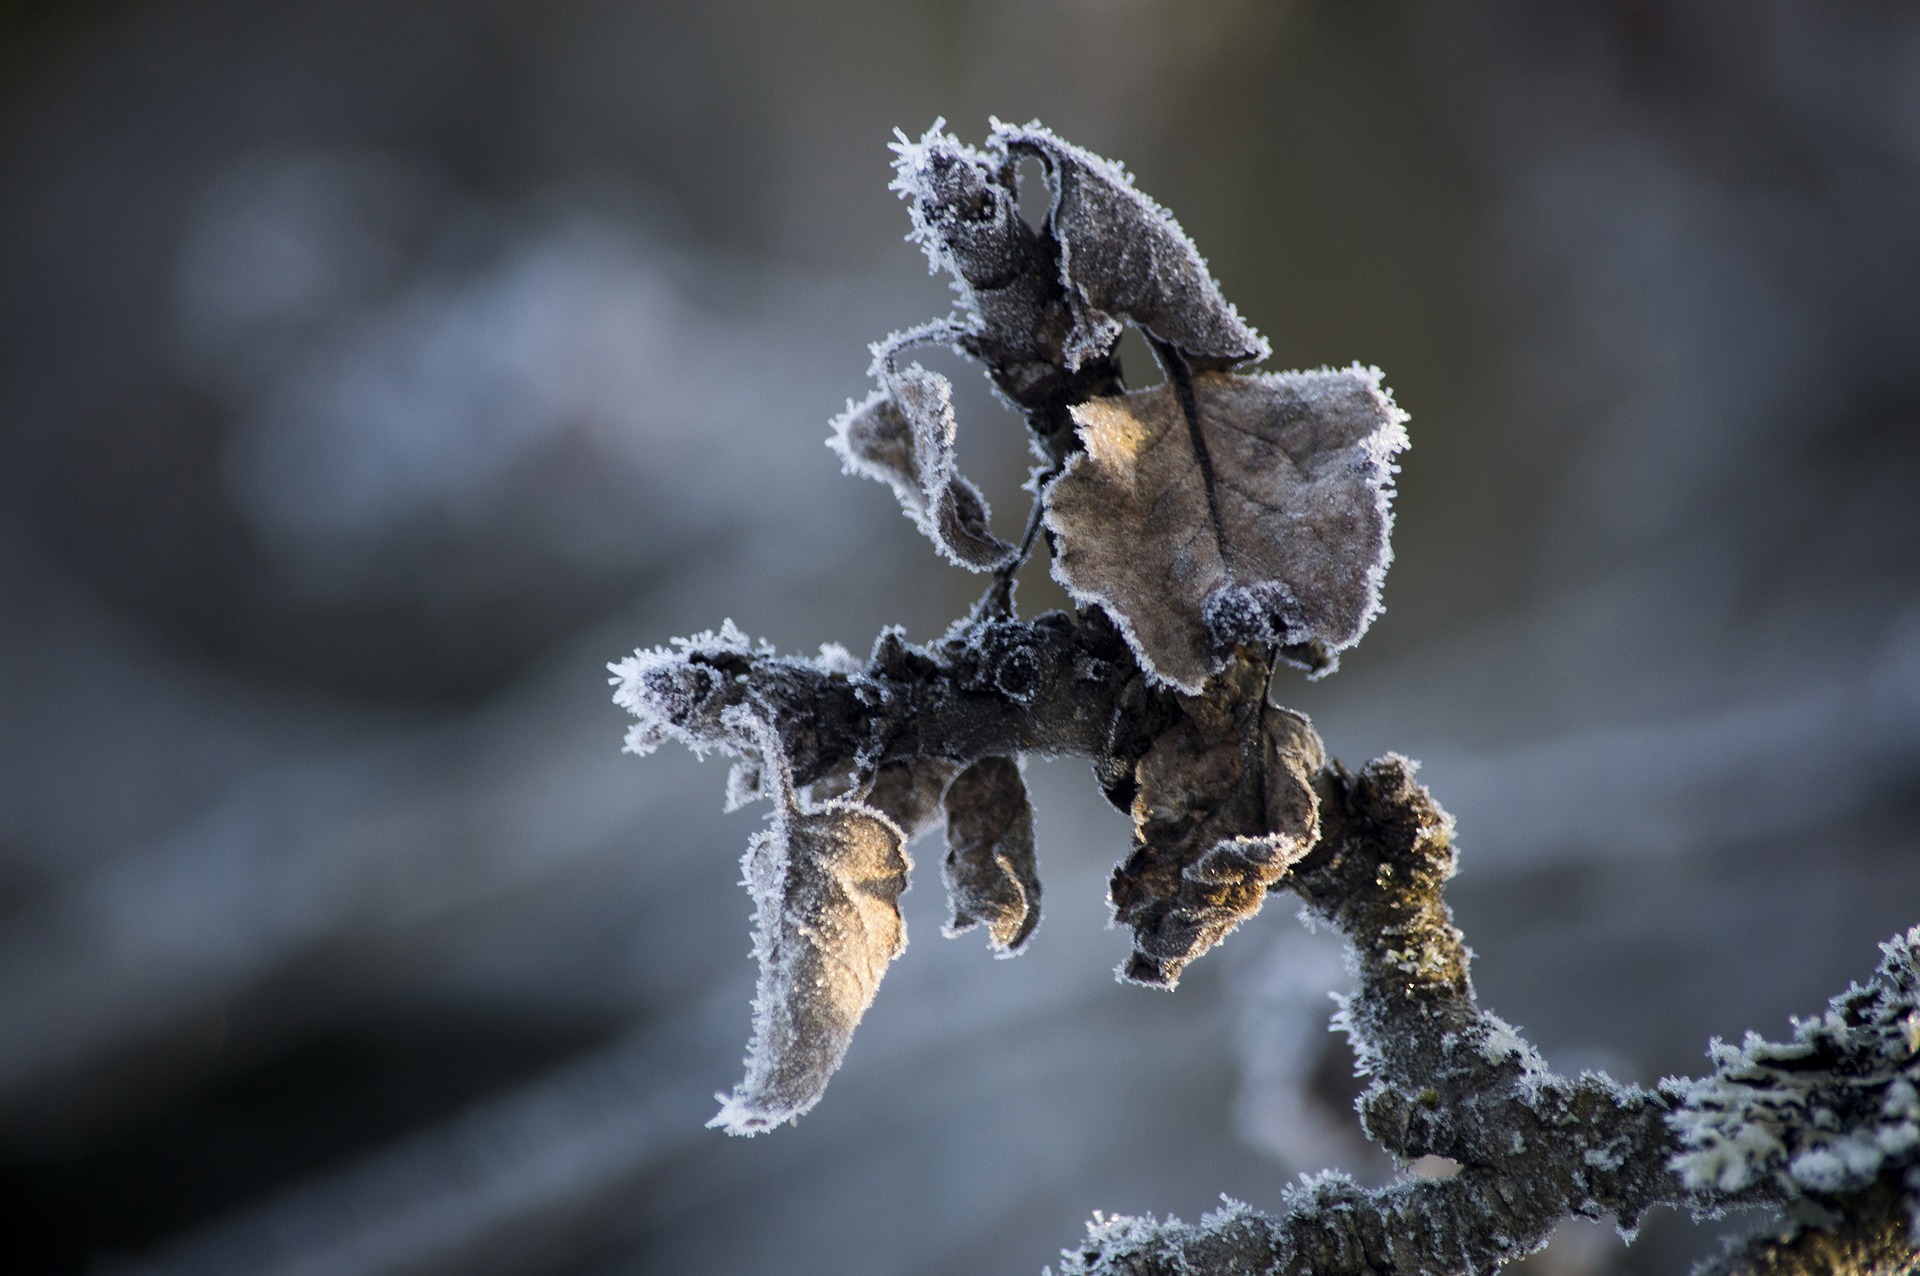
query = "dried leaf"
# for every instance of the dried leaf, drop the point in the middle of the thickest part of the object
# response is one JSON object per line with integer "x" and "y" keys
{"x": 990, "y": 872}
{"x": 902, "y": 435}
{"x": 909, "y": 793}
{"x": 1124, "y": 256}
{"x": 826, "y": 883}
{"x": 1270, "y": 529}
{"x": 1225, "y": 806}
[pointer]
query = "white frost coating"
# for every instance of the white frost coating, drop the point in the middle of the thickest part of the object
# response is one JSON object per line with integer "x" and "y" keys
{"x": 1826, "y": 1113}
{"x": 1503, "y": 1041}
{"x": 826, "y": 882}
{"x": 744, "y": 784}
{"x": 1379, "y": 449}
{"x": 1114, "y": 1233}
{"x": 1367, "y": 1061}
{"x": 1608, "y": 1158}
{"x": 947, "y": 333}
{"x": 669, "y": 692}
{"x": 835, "y": 658}
{"x": 903, "y": 435}
{"x": 1124, "y": 256}
{"x": 641, "y": 739}
{"x": 913, "y": 167}
{"x": 1230, "y": 1209}
{"x": 674, "y": 691}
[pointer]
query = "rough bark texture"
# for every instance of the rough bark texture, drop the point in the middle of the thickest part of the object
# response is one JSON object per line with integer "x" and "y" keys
{"x": 1453, "y": 1080}
{"x": 1450, "y": 1078}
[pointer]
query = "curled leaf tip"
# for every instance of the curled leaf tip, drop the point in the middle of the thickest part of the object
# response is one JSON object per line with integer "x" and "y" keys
{"x": 903, "y": 435}
{"x": 1124, "y": 257}
{"x": 826, "y": 882}
{"x": 991, "y": 876}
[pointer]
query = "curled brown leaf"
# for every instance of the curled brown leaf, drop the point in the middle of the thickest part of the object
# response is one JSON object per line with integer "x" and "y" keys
{"x": 990, "y": 872}
{"x": 1122, "y": 256}
{"x": 826, "y": 882}
{"x": 1225, "y": 806}
{"x": 903, "y": 435}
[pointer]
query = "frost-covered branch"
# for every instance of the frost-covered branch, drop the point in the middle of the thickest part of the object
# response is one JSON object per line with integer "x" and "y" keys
{"x": 1049, "y": 685}
{"x": 1826, "y": 1126}
{"x": 1209, "y": 530}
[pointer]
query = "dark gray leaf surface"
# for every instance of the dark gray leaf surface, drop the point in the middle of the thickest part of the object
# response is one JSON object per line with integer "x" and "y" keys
{"x": 990, "y": 872}
{"x": 909, "y": 793}
{"x": 1122, "y": 256}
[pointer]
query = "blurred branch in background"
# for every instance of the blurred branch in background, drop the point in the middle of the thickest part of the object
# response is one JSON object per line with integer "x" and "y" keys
{"x": 368, "y": 372}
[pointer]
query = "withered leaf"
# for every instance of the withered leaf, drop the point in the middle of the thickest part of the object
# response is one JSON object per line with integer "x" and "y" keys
{"x": 902, "y": 435}
{"x": 1273, "y": 533}
{"x": 1225, "y": 806}
{"x": 826, "y": 882}
{"x": 1124, "y": 256}
{"x": 909, "y": 793}
{"x": 990, "y": 872}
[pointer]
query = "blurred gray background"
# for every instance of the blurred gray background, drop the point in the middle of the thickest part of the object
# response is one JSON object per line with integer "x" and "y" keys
{"x": 373, "y": 373}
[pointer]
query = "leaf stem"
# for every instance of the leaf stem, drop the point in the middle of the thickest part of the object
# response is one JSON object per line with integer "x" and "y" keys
{"x": 934, "y": 332}
{"x": 998, "y": 600}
